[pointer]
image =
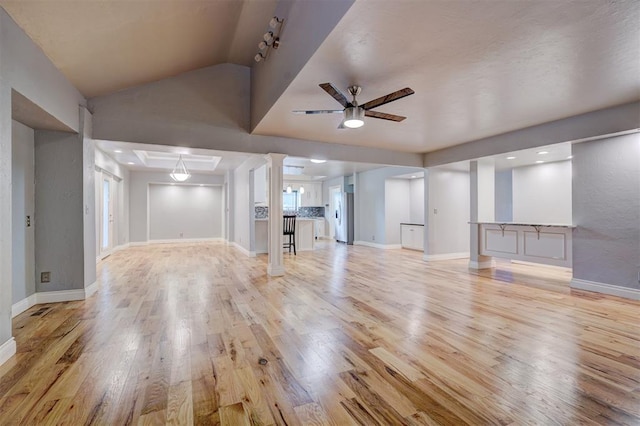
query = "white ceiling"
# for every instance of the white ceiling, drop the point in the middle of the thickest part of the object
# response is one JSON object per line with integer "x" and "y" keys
{"x": 108, "y": 45}
{"x": 478, "y": 69}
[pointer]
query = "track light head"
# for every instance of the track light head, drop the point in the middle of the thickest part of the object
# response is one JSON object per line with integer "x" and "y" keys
{"x": 258, "y": 57}
{"x": 268, "y": 36}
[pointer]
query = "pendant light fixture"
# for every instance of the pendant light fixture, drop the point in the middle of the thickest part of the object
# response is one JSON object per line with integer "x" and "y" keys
{"x": 288, "y": 189}
{"x": 301, "y": 189}
{"x": 180, "y": 172}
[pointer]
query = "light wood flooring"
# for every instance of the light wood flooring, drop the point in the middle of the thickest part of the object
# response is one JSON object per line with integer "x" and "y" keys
{"x": 351, "y": 335}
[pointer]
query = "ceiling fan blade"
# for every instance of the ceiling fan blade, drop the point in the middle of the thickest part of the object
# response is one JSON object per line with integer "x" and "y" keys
{"x": 336, "y": 94}
{"x": 388, "y": 98}
{"x": 384, "y": 116}
{"x": 319, "y": 111}
{"x": 341, "y": 125}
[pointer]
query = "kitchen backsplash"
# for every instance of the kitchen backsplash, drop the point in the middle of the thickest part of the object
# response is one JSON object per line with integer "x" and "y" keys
{"x": 262, "y": 212}
{"x": 311, "y": 212}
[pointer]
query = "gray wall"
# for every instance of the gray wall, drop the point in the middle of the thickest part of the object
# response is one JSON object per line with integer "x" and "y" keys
{"x": 24, "y": 283}
{"x": 370, "y": 221}
{"x": 26, "y": 69}
{"x": 606, "y": 211}
{"x": 397, "y": 208}
{"x": 59, "y": 233}
{"x": 542, "y": 193}
{"x": 139, "y": 198}
{"x": 504, "y": 196}
{"x": 184, "y": 211}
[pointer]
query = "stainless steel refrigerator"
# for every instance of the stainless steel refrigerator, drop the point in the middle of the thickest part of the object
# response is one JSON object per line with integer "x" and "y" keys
{"x": 344, "y": 218}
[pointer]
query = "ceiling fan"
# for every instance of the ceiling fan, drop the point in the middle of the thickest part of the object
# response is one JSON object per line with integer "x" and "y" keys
{"x": 353, "y": 113}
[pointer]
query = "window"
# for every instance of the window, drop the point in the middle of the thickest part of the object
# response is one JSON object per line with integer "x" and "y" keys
{"x": 290, "y": 201}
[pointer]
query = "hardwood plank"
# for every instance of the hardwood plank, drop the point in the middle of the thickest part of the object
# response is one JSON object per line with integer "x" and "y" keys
{"x": 351, "y": 335}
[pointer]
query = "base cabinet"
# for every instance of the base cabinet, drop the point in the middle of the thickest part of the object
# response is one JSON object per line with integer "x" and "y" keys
{"x": 412, "y": 237}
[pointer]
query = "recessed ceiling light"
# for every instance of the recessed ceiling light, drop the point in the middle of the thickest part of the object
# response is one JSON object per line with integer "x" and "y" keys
{"x": 539, "y": 161}
{"x": 313, "y": 160}
{"x": 413, "y": 176}
{"x": 570, "y": 157}
{"x": 543, "y": 152}
{"x": 131, "y": 162}
{"x": 511, "y": 158}
{"x": 117, "y": 151}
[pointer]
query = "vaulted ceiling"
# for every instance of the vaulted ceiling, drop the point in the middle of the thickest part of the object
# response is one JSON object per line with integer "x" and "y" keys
{"x": 105, "y": 46}
{"x": 478, "y": 68}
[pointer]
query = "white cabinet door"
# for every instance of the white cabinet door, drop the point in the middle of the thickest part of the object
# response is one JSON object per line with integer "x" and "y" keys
{"x": 412, "y": 237}
{"x": 320, "y": 228}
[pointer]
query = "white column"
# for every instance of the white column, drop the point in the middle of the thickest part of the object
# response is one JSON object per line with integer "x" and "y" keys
{"x": 425, "y": 216}
{"x": 482, "y": 191}
{"x": 275, "y": 266}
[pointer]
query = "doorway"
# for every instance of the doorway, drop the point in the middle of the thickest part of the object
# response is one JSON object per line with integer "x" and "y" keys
{"x": 106, "y": 206}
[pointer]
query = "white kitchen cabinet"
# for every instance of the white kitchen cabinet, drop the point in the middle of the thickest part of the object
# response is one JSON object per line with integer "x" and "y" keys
{"x": 412, "y": 236}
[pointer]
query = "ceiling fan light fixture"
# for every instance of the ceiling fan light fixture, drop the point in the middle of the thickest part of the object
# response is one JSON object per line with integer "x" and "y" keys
{"x": 353, "y": 117}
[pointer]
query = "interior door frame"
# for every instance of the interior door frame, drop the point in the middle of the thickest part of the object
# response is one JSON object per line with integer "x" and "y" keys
{"x": 104, "y": 176}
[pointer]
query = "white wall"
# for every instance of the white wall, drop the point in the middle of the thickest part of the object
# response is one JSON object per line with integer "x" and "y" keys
{"x": 23, "y": 205}
{"x": 606, "y": 211}
{"x": 139, "y": 199}
{"x": 542, "y": 193}
{"x": 448, "y": 212}
{"x": 184, "y": 211}
{"x": 416, "y": 198}
{"x": 397, "y": 208}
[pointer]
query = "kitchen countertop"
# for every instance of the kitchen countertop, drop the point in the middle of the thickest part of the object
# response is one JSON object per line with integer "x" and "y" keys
{"x": 297, "y": 219}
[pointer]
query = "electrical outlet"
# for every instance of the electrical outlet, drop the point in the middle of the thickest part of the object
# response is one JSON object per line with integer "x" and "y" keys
{"x": 373, "y": 238}
{"x": 435, "y": 211}
{"x": 45, "y": 277}
{"x": 181, "y": 235}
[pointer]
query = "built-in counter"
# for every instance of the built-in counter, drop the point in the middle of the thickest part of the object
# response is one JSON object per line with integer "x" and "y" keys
{"x": 532, "y": 242}
{"x": 305, "y": 234}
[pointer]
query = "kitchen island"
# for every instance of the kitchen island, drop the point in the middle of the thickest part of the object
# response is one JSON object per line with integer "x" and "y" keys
{"x": 305, "y": 235}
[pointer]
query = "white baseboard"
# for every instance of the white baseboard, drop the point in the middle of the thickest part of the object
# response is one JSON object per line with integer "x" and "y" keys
{"x": 24, "y": 304}
{"x": 7, "y": 350}
{"x": 482, "y": 265}
{"x": 614, "y": 290}
{"x": 378, "y": 246}
{"x": 186, "y": 240}
{"x": 52, "y": 297}
{"x": 544, "y": 265}
{"x": 241, "y": 249}
{"x": 138, "y": 243}
{"x": 90, "y": 289}
{"x": 445, "y": 256}
{"x": 275, "y": 272}
{"x": 60, "y": 296}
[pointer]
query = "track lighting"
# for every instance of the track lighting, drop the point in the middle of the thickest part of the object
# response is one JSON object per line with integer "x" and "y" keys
{"x": 270, "y": 39}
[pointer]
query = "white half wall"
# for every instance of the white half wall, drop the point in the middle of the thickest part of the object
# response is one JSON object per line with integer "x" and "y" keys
{"x": 542, "y": 193}
{"x": 184, "y": 211}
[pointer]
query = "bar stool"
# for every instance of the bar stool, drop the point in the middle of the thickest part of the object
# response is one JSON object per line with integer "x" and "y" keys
{"x": 289, "y": 228}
